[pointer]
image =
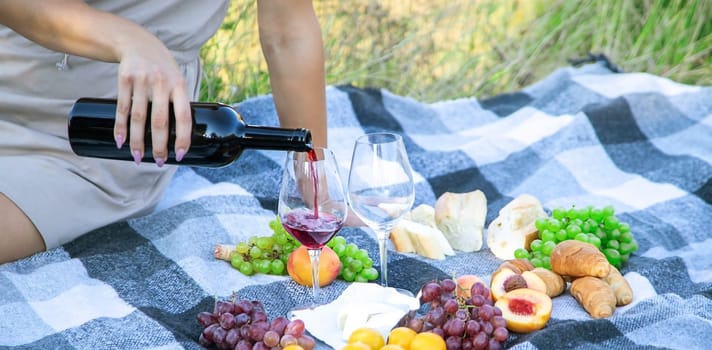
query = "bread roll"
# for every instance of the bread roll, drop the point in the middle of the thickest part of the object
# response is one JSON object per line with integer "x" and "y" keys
{"x": 461, "y": 218}
{"x": 514, "y": 227}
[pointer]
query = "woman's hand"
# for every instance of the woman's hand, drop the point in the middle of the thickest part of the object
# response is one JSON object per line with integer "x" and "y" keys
{"x": 148, "y": 72}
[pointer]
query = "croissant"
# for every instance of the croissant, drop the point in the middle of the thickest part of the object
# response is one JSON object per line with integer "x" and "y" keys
{"x": 595, "y": 295}
{"x": 620, "y": 286}
{"x": 576, "y": 259}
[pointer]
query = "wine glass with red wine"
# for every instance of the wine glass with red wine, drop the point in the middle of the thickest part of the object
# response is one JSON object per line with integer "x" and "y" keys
{"x": 312, "y": 203}
{"x": 380, "y": 186}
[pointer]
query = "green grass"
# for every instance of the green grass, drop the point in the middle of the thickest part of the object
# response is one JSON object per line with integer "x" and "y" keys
{"x": 437, "y": 49}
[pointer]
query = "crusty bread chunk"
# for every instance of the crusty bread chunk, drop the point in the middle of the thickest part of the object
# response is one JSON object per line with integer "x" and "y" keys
{"x": 514, "y": 227}
{"x": 461, "y": 218}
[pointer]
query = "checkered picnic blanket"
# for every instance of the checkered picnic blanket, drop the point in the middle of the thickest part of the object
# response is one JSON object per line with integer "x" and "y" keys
{"x": 581, "y": 136}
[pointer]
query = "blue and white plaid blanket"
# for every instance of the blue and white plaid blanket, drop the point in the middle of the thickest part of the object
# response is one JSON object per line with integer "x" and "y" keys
{"x": 583, "y": 136}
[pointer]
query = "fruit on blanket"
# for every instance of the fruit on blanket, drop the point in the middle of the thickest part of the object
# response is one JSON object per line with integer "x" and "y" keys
{"x": 534, "y": 281}
{"x": 462, "y": 323}
{"x": 269, "y": 255}
{"x": 576, "y": 259}
{"x": 306, "y": 342}
{"x": 369, "y": 336}
{"x": 514, "y": 226}
{"x": 621, "y": 287}
{"x": 265, "y": 254}
{"x": 401, "y": 336}
{"x": 598, "y": 226}
{"x": 427, "y": 341}
{"x": 356, "y": 264}
{"x": 461, "y": 218}
{"x": 595, "y": 295}
{"x": 505, "y": 280}
{"x": 244, "y": 324}
{"x": 516, "y": 265}
{"x": 464, "y": 285}
{"x": 299, "y": 266}
{"x": 293, "y": 347}
{"x": 554, "y": 283}
{"x": 520, "y": 273}
{"x": 525, "y": 310}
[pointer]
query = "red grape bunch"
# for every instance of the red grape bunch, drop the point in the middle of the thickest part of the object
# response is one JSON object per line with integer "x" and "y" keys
{"x": 466, "y": 323}
{"x": 244, "y": 325}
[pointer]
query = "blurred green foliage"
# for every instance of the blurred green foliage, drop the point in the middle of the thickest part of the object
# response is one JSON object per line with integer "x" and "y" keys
{"x": 436, "y": 50}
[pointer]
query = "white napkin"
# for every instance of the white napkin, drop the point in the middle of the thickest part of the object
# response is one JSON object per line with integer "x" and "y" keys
{"x": 323, "y": 321}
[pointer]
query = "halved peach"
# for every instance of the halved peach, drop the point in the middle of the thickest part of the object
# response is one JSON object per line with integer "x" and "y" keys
{"x": 534, "y": 281}
{"x": 502, "y": 281}
{"x": 525, "y": 310}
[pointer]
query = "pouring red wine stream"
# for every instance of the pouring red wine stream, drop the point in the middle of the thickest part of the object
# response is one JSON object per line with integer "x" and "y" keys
{"x": 311, "y": 228}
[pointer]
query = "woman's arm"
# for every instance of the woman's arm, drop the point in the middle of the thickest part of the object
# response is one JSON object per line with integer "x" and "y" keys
{"x": 147, "y": 70}
{"x": 292, "y": 45}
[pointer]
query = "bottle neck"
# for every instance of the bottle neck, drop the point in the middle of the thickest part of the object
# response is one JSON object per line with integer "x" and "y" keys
{"x": 272, "y": 138}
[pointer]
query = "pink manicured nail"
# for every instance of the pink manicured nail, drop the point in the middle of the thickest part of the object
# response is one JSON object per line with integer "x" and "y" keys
{"x": 160, "y": 162}
{"x": 180, "y": 154}
{"x": 137, "y": 157}
{"x": 119, "y": 141}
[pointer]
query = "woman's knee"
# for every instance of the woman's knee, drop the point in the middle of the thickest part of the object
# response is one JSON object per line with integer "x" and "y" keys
{"x": 19, "y": 238}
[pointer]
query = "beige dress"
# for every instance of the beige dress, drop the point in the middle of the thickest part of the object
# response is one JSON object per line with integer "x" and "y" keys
{"x": 66, "y": 196}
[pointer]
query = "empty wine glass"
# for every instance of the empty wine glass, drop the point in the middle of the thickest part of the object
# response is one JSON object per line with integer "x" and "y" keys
{"x": 380, "y": 186}
{"x": 312, "y": 204}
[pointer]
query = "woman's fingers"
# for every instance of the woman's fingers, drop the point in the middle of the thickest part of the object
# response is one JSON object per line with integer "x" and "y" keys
{"x": 183, "y": 120}
{"x": 140, "y": 88}
{"x": 159, "y": 121}
{"x": 139, "y": 110}
{"x": 123, "y": 108}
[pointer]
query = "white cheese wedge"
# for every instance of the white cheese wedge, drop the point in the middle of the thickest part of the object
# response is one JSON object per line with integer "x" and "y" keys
{"x": 410, "y": 236}
{"x": 373, "y": 315}
{"x": 423, "y": 214}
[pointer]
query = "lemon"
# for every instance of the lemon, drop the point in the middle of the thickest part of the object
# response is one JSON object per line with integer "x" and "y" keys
{"x": 427, "y": 341}
{"x": 401, "y": 336}
{"x": 368, "y": 336}
{"x": 293, "y": 347}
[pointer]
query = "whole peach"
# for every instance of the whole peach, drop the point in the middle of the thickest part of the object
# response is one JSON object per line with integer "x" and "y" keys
{"x": 464, "y": 283}
{"x": 299, "y": 266}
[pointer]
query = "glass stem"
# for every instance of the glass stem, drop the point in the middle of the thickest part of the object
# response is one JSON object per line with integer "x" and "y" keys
{"x": 383, "y": 250}
{"x": 314, "y": 255}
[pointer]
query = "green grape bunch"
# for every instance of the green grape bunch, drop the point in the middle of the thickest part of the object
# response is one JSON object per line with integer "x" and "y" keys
{"x": 356, "y": 265}
{"x": 597, "y": 226}
{"x": 269, "y": 255}
{"x": 266, "y": 255}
